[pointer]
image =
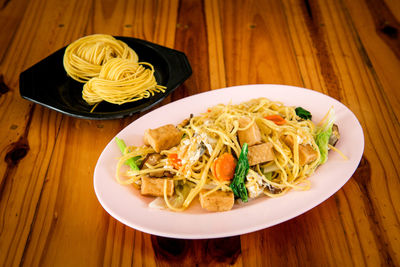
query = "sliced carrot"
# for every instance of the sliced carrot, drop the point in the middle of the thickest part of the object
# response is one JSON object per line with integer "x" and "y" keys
{"x": 174, "y": 161}
{"x": 278, "y": 120}
{"x": 224, "y": 167}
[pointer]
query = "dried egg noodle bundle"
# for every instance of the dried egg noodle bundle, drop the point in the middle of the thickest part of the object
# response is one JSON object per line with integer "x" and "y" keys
{"x": 110, "y": 70}
{"x": 121, "y": 81}
{"x": 84, "y": 58}
{"x": 214, "y": 133}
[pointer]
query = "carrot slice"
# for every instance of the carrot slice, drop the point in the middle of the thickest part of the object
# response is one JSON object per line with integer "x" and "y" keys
{"x": 224, "y": 167}
{"x": 278, "y": 120}
{"x": 174, "y": 160}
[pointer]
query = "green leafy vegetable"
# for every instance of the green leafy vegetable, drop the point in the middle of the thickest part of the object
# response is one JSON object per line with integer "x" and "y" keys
{"x": 242, "y": 167}
{"x": 323, "y": 133}
{"x": 302, "y": 113}
{"x": 130, "y": 162}
{"x": 322, "y": 141}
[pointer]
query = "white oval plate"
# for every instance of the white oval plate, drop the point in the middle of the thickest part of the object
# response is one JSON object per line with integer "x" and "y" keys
{"x": 129, "y": 207}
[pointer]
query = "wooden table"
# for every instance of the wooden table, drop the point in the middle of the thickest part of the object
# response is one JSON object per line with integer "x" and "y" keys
{"x": 348, "y": 49}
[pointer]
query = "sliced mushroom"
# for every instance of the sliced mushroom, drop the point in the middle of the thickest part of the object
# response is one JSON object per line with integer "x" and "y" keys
{"x": 185, "y": 121}
{"x": 153, "y": 159}
{"x": 335, "y": 136}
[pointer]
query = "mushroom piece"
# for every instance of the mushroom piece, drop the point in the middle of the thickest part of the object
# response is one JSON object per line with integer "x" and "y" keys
{"x": 185, "y": 121}
{"x": 335, "y": 136}
{"x": 153, "y": 159}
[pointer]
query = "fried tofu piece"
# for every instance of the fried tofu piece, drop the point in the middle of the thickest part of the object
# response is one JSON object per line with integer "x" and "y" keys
{"x": 260, "y": 153}
{"x": 307, "y": 154}
{"x": 162, "y": 138}
{"x": 252, "y": 135}
{"x": 155, "y": 186}
{"x": 217, "y": 201}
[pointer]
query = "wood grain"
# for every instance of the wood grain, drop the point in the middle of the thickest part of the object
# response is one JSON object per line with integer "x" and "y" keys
{"x": 257, "y": 45}
{"x": 49, "y": 214}
{"x": 215, "y": 45}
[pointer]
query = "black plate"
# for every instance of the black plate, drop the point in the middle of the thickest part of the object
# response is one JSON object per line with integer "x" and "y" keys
{"x": 47, "y": 83}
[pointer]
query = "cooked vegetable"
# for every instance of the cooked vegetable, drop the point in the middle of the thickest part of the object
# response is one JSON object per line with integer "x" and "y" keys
{"x": 224, "y": 167}
{"x": 153, "y": 159}
{"x": 323, "y": 134}
{"x": 335, "y": 136}
{"x": 302, "y": 113}
{"x": 130, "y": 162}
{"x": 268, "y": 175}
{"x": 174, "y": 161}
{"x": 182, "y": 190}
{"x": 238, "y": 184}
{"x": 277, "y": 119}
{"x": 322, "y": 140}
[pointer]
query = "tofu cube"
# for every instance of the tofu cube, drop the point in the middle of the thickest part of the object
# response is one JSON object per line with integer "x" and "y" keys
{"x": 260, "y": 153}
{"x": 307, "y": 154}
{"x": 252, "y": 135}
{"x": 155, "y": 186}
{"x": 217, "y": 201}
{"x": 162, "y": 138}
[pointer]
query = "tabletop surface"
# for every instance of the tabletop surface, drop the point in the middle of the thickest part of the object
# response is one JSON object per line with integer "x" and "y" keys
{"x": 347, "y": 49}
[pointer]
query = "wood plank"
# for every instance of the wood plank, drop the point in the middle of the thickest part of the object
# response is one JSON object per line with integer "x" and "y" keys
{"x": 215, "y": 44}
{"x": 328, "y": 46}
{"x": 191, "y": 38}
{"x": 394, "y": 7}
{"x": 11, "y": 14}
{"x": 257, "y": 45}
{"x": 28, "y": 150}
{"x": 61, "y": 218}
{"x": 378, "y": 55}
{"x": 22, "y": 189}
{"x": 290, "y": 243}
{"x": 358, "y": 88}
{"x": 312, "y": 50}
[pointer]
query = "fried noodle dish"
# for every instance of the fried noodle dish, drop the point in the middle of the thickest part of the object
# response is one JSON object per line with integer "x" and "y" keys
{"x": 230, "y": 152}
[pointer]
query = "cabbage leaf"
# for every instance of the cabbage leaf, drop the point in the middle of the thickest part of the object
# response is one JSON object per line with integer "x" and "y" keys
{"x": 323, "y": 132}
